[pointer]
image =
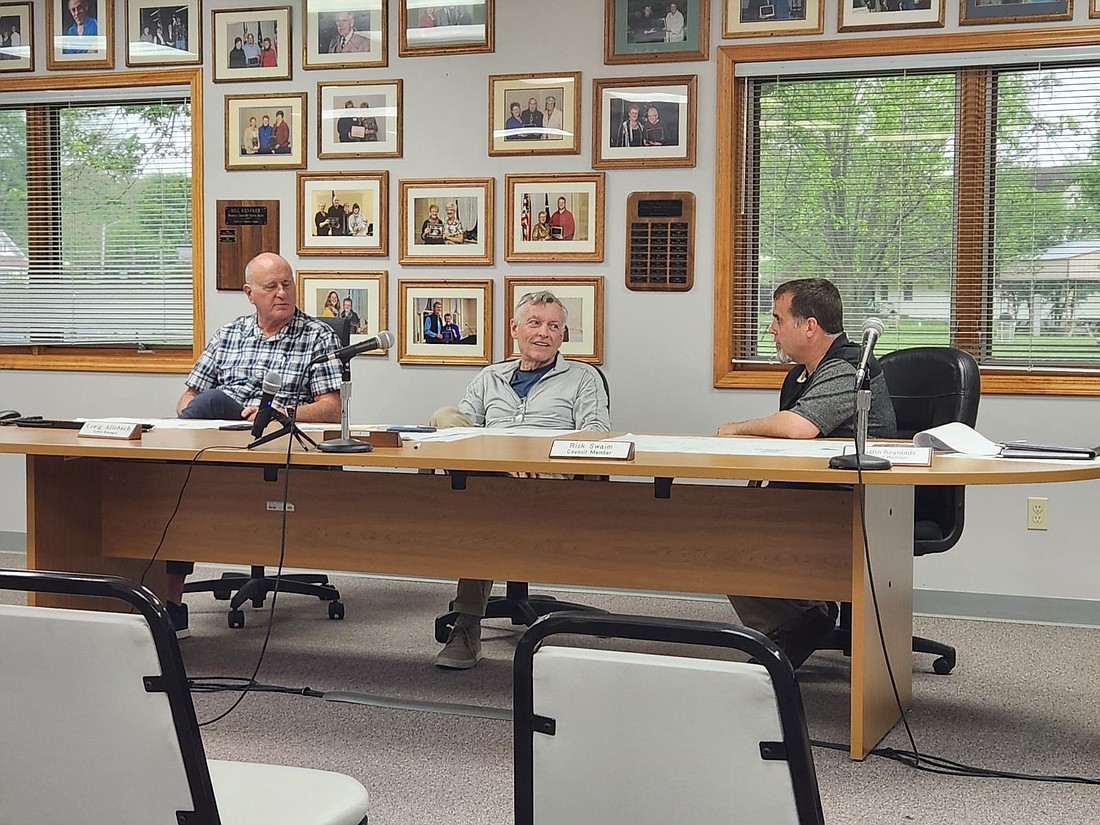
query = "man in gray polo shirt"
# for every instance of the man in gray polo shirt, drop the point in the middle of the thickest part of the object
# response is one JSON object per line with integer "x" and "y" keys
{"x": 541, "y": 389}
{"x": 817, "y": 399}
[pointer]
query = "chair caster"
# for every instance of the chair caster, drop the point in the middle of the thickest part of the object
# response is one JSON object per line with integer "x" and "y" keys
{"x": 336, "y": 610}
{"x": 236, "y": 619}
{"x": 943, "y": 665}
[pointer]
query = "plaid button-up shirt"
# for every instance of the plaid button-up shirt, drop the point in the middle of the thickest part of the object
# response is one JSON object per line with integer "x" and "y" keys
{"x": 239, "y": 356}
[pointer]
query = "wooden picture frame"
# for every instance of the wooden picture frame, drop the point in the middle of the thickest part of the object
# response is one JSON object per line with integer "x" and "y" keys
{"x": 252, "y": 151}
{"x": 644, "y": 122}
{"x": 353, "y": 37}
{"x": 629, "y": 36}
{"x": 375, "y": 129}
{"x": 973, "y": 13}
{"x": 17, "y": 21}
{"x": 576, "y": 235}
{"x": 874, "y": 15}
{"x": 341, "y": 229}
{"x": 159, "y": 33}
{"x": 239, "y": 35}
{"x": 366, "y": 292}
{"x": 89, "y": 44}
{"x": 551, "y": 127}
{"x": 435, "y": 32}
{"x": 803, "y": 17}
{"x": 582, "y": 296}
{"x": 461, "y": 208}
{"x": 1094, "y": 9}
{"x": 469, "y": 302}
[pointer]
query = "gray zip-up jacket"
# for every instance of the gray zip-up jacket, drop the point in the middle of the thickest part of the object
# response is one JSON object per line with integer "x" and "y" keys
{"x": 571, "y": 396}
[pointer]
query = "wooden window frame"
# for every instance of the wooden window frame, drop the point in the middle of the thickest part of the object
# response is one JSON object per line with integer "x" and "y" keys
{"x": 732, "y": 290}
{"x": 110, "y": 359}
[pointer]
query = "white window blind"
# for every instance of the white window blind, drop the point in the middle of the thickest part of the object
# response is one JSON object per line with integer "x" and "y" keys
{"x": 95, "y": 223}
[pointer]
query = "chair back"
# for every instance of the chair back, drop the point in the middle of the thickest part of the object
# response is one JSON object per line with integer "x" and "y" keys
{"x": 342, "y": 328}
{"x": 95, "y": 712}
{"x": 930, "y": 386}
{"x": 630, "y": 738}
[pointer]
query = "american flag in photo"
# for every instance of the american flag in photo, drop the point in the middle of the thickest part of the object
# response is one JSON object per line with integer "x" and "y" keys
{"x": 525, "y": 218}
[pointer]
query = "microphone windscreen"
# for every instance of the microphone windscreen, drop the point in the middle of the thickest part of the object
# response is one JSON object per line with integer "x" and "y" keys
{"x": 873, "y": 324}
{"x": 385, "y": 339}
{"x": 273, "y": 382}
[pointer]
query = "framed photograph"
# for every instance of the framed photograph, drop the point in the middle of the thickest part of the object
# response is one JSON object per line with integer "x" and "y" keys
{"x": 339, "y": 293}
{"x": 978, "y": 12}
{"x": 426, "y": 28}
{"x": 80, "y": 34}
{"x": 16, "y": 37}
{"x": 643, "y": 121}
{"x": 163, "y": 34}
{"x": 445, "y": 322}
{"x": 555, "y": 217}
{"x": 1094, "y": 9}
{"x": 877, "y": 15}
{"x": 645, "y": 31}
{"x": 582, "y": 297}
{"x": 535, "y": 114}
{"x": 764, "y": 18}
{"x": 265, "y": 131}
{"x": 446, "y": 221}
{"x": 359, "y": 120}
{"x": 251, "y": 45}
{"x": 343, "y": 213}
{"x": 344, "y": 34}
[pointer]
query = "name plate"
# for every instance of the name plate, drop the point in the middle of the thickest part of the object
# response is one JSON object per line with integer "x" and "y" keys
{"x": 110, "y": 429}
{"x": 611, "y": 450}
{"x": 905, "y": 455}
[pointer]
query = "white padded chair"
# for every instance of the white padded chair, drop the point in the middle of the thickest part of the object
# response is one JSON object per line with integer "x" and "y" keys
{"x": 98, "y": 725}
{"x": 628, "y": 738}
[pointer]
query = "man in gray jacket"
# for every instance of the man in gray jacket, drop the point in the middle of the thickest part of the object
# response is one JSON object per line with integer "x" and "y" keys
{"x": 541, "y": 389}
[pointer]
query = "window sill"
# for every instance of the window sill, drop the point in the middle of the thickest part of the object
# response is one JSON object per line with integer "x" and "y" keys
{"x": 995, "y": 380}
{"x": 166, "y": 361}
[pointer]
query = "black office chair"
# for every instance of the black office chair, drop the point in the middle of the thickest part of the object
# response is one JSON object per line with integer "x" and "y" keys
{"x": 929, "y": 386}
{"x": 517, "y": 604}
{"x": 254, "y": 586}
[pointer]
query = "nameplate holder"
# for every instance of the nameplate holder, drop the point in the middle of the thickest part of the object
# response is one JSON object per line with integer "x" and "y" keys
{"x": 122, "y": 430}
{"x": 905, "y": 455}
{"x": 610, "y": 450}
{"x": 376, "y": 438}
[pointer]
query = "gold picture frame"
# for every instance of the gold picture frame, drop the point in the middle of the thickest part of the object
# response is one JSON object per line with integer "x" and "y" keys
{"x": 582, "y": 296}
{"x": 973, "y": 14}
{"x": 644, "y": 122}
{"x": 245, "y": 150}
{"x": 237, "y": 50}
{"x": 364, "y": 290}
{"x": 376, "y": 130}
{"x": 629, "y": 37}
{"x": 576, "y": 234}
{"x": 353, "y": 37}
{"x": 804, "y": 17}
{"x": 80, "y": 45}
{"x": 17, "y": 19}
{"x": 468, "y": 302}
{"x": 435, "y": 213}
{"x": 435, "y": 32}
{"x": 355, "y": 207}
{"x": 551, "y": 125}
{"x": 159, "y": 33}
{"x": 875, "y": 15}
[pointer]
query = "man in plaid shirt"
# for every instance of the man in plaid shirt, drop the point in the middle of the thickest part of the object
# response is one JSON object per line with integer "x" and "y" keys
{"x": 227, "y": 380}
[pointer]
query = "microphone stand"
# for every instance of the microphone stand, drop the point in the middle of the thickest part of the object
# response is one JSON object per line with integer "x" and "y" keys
{"x": 860, "y": 460}
{"x": 289, "y": 428}
{"x": 345, "y": 443}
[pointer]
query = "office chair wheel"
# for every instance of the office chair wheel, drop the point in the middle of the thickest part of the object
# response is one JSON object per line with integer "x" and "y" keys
{"x": 944, "y": 665}
{"x": 336, "y": 610}
{"x": 236, "y": 619}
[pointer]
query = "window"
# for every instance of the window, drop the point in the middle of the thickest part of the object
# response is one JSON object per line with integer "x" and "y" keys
{"x": 98, "y": 257}
{"x": 958, "y": 203}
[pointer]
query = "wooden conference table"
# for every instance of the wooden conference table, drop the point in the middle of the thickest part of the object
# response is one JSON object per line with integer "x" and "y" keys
{"x": 97, "y": 505}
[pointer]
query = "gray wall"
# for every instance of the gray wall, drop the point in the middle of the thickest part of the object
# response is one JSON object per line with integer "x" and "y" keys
{"x": 657, "y": 347}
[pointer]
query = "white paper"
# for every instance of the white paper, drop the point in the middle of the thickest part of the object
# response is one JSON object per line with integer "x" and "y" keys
{"x": 957, "y": 437}
{"x": 717, "y": 445}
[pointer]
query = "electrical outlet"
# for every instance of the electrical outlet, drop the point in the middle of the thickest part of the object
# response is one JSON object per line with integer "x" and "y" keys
{"x": 1036, "y": 513}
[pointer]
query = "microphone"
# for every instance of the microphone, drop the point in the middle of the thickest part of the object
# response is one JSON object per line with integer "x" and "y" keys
{"x": 872, "y": 329}
{"x": 383, "y": 340}
{"x": 273, "y": 382}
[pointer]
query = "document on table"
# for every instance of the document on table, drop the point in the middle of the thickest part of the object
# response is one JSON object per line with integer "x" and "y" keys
{"x": 460, "y": 433}
{"x": 715, "y": 445}
{"x": 198, "y": 423}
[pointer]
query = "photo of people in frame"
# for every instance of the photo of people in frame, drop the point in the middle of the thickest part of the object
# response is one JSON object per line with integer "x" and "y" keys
{"x": 15, "y": 41}
{"x": 445, "y": 320}
{"x": 431, "y": 25}
{"x": 80, "y": 28}
{"x": 360, "y": 120}
{"x": 554, "y": 216}
{"x": 265, "y": 130}
{"x": 657, "y": 22}
{"x": 638, "y": 122}
{"x": 344, "y": 32}
{"x": 342, "y": 213}
{"x": 166, "y": 27}
{"x": 343, "y": 303}
{"x": 358, "y": 296}
{"x": 253, "y": 45}
{"x": 446, "y": 221}
{"x": 534, "y": 114}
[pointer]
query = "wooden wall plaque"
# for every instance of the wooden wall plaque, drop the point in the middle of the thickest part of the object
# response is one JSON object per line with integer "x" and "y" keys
{"x": 660, "y": 241}
{"x": 245, "y": 229}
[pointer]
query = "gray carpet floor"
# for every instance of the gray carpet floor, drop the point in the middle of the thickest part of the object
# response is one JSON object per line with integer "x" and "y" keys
{"x": 1024, "y": 698}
